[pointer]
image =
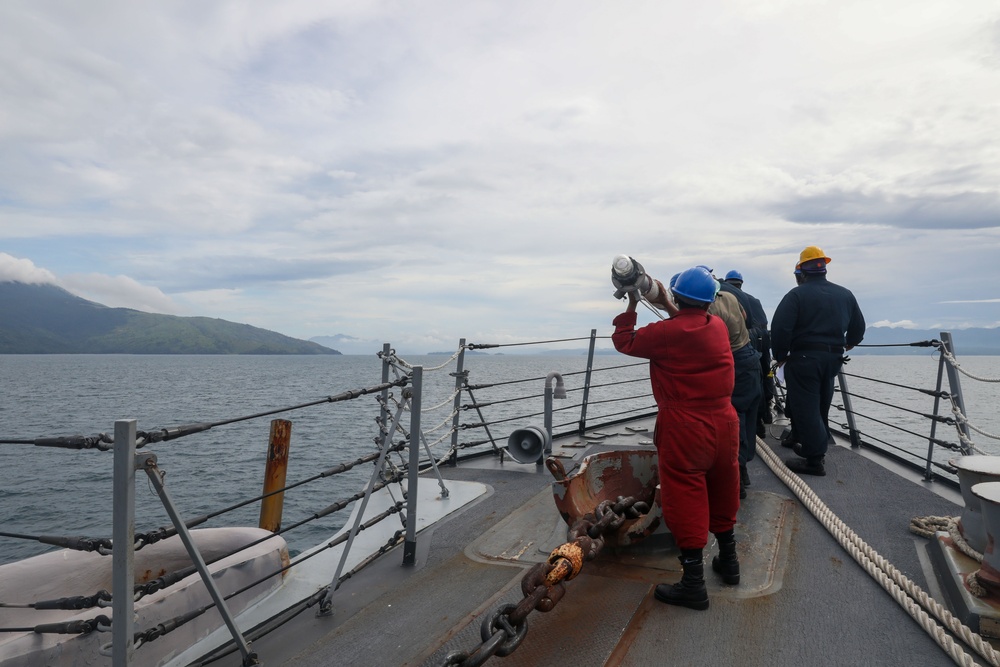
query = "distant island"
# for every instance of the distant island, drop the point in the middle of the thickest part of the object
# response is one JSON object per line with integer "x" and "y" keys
{"x": 46, "y": 319}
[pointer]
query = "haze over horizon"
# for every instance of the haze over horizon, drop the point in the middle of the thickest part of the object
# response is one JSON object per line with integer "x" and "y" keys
{"x": 421, "y": 173}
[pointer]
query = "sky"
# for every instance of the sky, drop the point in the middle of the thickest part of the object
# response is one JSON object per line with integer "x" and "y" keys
{"x": 420, "y": 172}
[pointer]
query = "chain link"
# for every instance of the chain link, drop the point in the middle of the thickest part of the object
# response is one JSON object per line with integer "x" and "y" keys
{"x": 542, "y": 585}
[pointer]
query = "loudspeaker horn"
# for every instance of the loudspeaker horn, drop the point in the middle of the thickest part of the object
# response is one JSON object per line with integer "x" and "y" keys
{"x": 528, "y": 445}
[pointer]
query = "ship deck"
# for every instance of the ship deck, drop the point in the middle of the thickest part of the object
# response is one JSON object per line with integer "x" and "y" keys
{"x": 802, "y": 600}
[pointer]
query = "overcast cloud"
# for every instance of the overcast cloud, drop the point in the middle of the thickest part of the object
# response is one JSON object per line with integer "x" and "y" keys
{"x": 420, "y": 172}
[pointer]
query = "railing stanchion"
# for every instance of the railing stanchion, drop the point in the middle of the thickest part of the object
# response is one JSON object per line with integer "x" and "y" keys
{"x": 410, "y": 543}
{"x": 586, "y": 381}
{"x": 852, "y": 427}
{"x": 384, "y": 413}
{"x": 460, "y": 379}
{"x": 955, "y": 387}
{"x": 155, "y": 476}
{"x": 326, "y": 604}
{"x": 928, "y": 475}
{"x": 123, "y": 549}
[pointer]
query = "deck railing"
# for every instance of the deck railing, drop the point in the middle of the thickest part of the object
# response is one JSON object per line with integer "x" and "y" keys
{"x": 893, "y": 427}
{"x": 457, "y": 410}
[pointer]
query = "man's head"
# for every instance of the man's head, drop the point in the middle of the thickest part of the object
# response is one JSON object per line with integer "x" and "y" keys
{"x": 735, "y": 278}
{"x": 694, "y": 287}
{"x": 812, "y": 259}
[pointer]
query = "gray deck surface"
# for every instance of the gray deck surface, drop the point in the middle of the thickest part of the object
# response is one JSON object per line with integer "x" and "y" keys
{"x": 803, "y": 599}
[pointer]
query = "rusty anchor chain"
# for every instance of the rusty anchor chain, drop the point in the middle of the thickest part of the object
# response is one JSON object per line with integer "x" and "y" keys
{"x": 542, "y": 585}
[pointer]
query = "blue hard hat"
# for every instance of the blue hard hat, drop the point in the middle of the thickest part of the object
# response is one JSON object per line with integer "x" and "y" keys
{"x": 696, "y": 284}
{"x": 734, "y": 275}
{"x": 673, "y": 279}
{"x": 702, "y": 266}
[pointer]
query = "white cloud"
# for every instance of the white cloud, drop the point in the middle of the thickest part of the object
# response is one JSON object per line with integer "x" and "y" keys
{"x": 120, "y": 292}
{"x": 902, "y": 324}
{"x": 385, "y": 170}
{"x": 24, "y": 271}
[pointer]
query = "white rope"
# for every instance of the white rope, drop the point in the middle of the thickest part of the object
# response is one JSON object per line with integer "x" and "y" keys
{"x": 444, "y": 421}
{"x": 950, "y": 358}
{"x": 443, "y": 436}
{"x": 962, "y": 419}
{"x": 909, "y": 596}
{"x": 447, "y": 401}
{"x": 407, "y": 364}
{"x": 926, "y": 526}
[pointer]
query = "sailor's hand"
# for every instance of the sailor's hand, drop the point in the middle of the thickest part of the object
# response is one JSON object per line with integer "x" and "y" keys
{"x": 632, "y": 301}
{"x": 662, "y": 296}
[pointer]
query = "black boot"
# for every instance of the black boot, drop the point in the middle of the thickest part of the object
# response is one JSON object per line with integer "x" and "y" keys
{"x": 727, "y": 564}
{"x": 744, "y": 481}
{"x": 690, "y": 591}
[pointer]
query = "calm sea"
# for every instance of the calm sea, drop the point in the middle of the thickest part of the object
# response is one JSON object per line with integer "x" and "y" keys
{"x": 47, "y": 491}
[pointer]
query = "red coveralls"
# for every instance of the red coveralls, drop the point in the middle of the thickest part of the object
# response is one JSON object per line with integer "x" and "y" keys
{"x": 697, "y": 432}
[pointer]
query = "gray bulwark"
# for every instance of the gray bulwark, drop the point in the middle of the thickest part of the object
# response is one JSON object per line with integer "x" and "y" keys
{"x": 804, "y": 601}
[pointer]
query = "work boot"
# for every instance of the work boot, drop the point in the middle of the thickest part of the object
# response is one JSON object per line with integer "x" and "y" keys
{"x": 690, "y": 591}
{"x": 744, "y": 475}
{"x": 810, "y": 466}
{"x": 727, "y": 564}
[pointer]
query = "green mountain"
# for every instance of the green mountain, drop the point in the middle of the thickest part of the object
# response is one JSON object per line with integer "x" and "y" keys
{"x": 45, "y": 319}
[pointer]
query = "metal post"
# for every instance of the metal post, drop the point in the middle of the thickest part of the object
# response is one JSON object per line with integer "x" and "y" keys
{"x": 123, "y": 549}
{"x": 154, "y": 474}
{"x": 384, "y": 414}
{"x": 275, "y": 471}
{"x": 560, "y": 392}
{"x": 326, "y": 604}
{"x": 955, "y": 386}
{"x": 852, "y": 427}
{"x": 482, "y": 418}
{"x": 928, "y": 473}
{"x": 410, "y": 543}
{"x": 460, "y": 378}
{"x": 586, "y": 381}
{"x": 547, "y": 448}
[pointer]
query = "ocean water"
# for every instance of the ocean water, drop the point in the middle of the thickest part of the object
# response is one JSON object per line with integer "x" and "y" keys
{"x": 45, "y": 491}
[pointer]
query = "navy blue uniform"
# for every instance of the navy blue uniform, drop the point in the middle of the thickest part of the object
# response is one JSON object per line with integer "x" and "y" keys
{"x": 761, "y": 338}
{"x": 812, "y": 326}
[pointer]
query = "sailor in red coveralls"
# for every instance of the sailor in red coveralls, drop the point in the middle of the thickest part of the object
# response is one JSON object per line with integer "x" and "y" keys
{"x": 697, "y": 431}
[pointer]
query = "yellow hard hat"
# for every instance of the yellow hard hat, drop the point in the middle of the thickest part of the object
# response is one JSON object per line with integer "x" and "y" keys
{"x": 813, "y": 252}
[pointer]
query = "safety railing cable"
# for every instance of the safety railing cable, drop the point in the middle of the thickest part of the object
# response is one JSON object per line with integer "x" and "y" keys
{"x": 929, "y": 392}
{"x": 486, "y": 346}
{"x": 938, "y": 418}
{"x": 936, "y": 441}
{"x": 161, "y": 629}
{"x": 103, "y": 442}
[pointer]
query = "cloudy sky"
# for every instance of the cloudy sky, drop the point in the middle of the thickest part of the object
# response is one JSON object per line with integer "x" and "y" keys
{"x": 418, "y": 172}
